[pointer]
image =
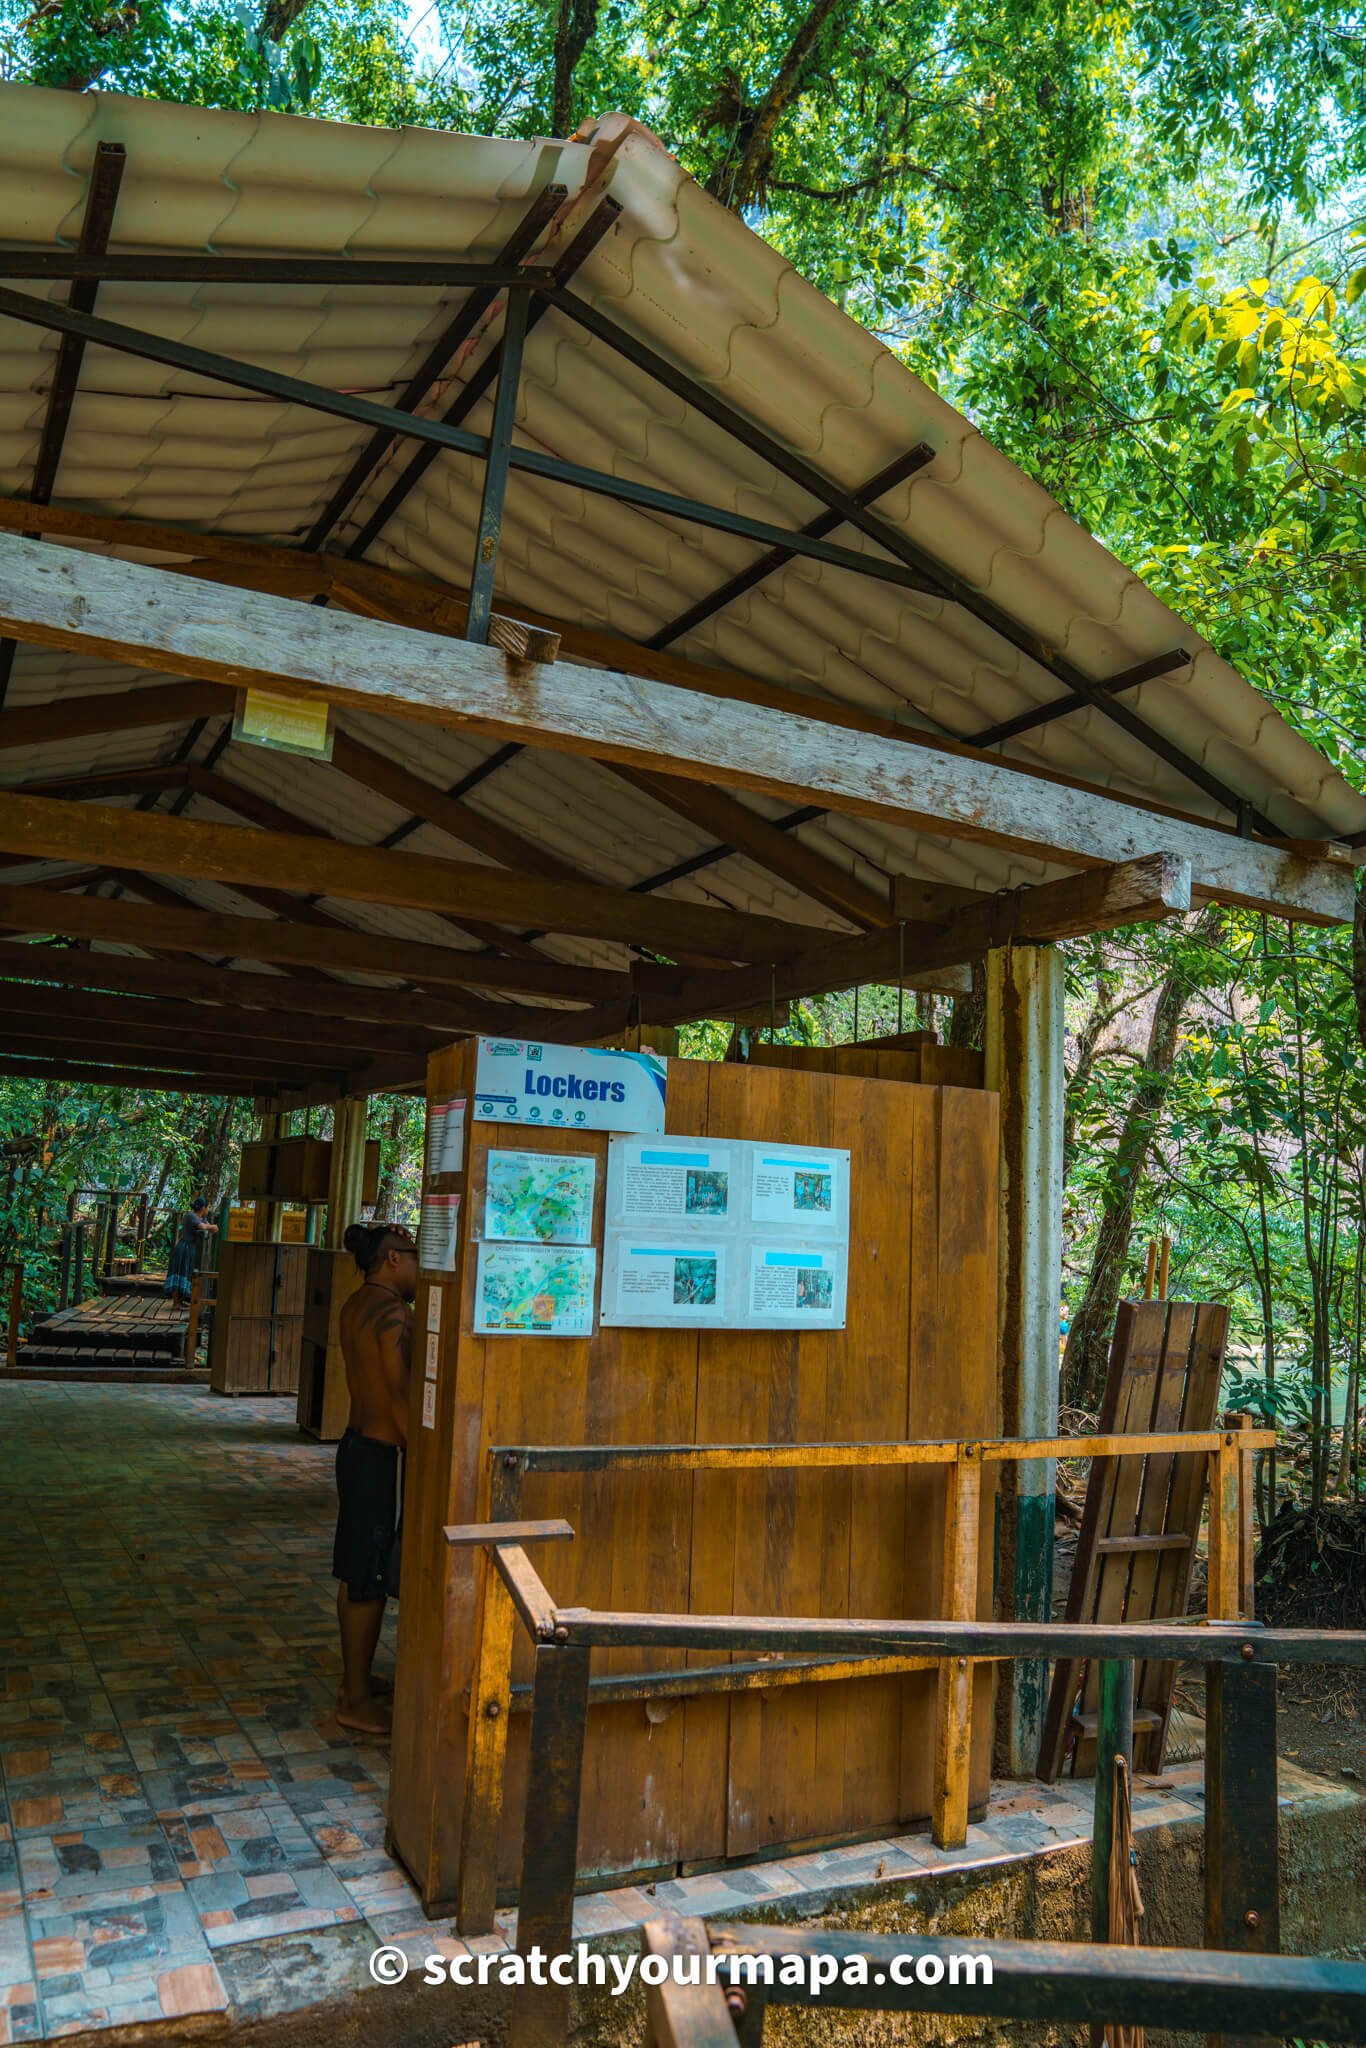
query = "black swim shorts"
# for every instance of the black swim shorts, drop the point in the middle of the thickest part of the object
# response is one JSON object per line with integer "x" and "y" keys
{"x": 367, "y": 1515}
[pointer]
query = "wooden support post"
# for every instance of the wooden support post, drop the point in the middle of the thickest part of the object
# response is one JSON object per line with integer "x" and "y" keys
{"x": 485, "y": 1751}
{"x": 192, "y": 1319}
{"x": 112, "y": 1234}
{"x": 953, "y": 1740}
{"x": 64, "y": 1272}
{"x": 1114, "y": 1737}
{"x": 1242, "y": 1830}
{"x": 78, "y": 1263}
{"x": 1025, "y": 1036}
{"x": 1247, "y": 1519}
{"x": 490, "y": 1705}
{"x": 346, "y": 1173}
{"x": 550, "y": 1838}
{"x": 16, "y": 1309}
{"x": 1225, "y": 1532}
{"x": 696, "y": 2015}
{"x": 1150, "y": 1276}
{"x": 141, "y": 1252}
{"x": 1164, "y": 1269}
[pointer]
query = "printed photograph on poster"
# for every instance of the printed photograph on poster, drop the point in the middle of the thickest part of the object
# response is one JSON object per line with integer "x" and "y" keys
{"x": 805, "y": 1190}
{"x": 793, "y": 1284}
{"x": 531, "y": 1290}
{"x": 438, "y": 1233}
{"x": 544, "y": 1197}
{"x": 429, "y": 1404}
{"x": 669, "y": 1283}
{"x": 683, "y": 1180}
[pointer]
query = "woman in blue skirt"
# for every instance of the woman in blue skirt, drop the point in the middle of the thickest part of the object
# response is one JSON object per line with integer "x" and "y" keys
{"x": 185, "y": 1257}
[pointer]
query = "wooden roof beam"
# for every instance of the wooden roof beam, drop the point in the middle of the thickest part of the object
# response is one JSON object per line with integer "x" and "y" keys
{"x": 338, "y": 949}
{"x": 1141, "y": 891}
{"x": 300, "y": 1002}
{"x": 102, "y": 1074}
{"x": 141, "y": 1012}
{"x": 234, "y": 855}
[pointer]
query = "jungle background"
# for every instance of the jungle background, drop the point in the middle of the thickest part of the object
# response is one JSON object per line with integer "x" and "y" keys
{"x": 1129, "y": 241}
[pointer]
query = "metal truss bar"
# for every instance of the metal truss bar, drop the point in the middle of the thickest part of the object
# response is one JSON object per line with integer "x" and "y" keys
{"x": 105, "y": 178}
{"x": 96, "y": 225}
{"x": 941, "y": 580}
{"x": 95, "y": 267}
{"x": 815, "y": 529}
{"x": 514, "y": 251}
{"x": 585, "y": 241}
{"x": 440, "y": 434}
{"x": 490, "y": 530}
{"x": 1044, "y": 714}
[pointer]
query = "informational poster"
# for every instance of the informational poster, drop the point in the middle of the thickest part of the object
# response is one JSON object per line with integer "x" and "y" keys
{"x": 684, "y": 1180}
{"x": 535, "y": 1290}
{"x": 540, "y": 1197}
{"x": 655, "y": 1283}
{"x": 725, "y": 1232}
{"x": 798, "y": 1286}
{"x": 446, "y": 1136}
{"x": 294, "y": 1226}
{"x": 241, "y": 1225}
{"x": 588, "y": 1088}
{"x": 429, "y": 1404}
{"x": 438, "y": 1233}
{"x": 433, "y": 1308}
{"x": 433, "y": 1354}
{"x": 799, "y": 1189}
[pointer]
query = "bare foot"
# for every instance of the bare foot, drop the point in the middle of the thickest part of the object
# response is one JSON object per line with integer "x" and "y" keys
{"x": 367, "y": 1717}
{"x": 380, "y": 1689}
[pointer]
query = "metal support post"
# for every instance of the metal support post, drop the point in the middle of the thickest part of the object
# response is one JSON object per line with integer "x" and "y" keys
{"x": 550, "y": 1838}
{"x": 496, "y": 469}
{"x": 1242, "y": 1822}
{"x": 1114, "y": 1737}
{"x": 1024, "y": 1063}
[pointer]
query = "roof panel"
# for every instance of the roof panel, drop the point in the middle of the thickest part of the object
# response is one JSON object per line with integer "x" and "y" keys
{"x": 689, "y": 279}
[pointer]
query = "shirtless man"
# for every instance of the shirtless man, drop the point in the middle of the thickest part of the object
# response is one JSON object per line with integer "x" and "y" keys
{"x": 376, "y": 1339}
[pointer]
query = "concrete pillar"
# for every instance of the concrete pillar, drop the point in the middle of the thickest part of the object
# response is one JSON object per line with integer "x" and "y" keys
{"x": 1024, "y": 1062}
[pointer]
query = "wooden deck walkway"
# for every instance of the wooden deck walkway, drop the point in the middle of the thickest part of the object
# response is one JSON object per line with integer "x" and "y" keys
{"x": 124, "y": 1335}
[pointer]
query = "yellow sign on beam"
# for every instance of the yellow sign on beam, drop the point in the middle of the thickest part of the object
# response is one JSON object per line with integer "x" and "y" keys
{"x": 241, "y": 1225}
{"x": 294, "y": 1226}
{"x": 291, "y": 725}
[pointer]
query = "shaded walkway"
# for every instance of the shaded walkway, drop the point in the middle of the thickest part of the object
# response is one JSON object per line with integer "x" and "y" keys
{"x": 184, "y": 1828}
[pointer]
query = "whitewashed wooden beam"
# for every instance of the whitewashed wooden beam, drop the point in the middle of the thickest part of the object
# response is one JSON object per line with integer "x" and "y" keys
{"x": 59, "y": 597}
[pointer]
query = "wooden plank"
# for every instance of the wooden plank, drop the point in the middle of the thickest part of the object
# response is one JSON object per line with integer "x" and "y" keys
{"x": 20, "y": 1000}
{"x": 54, "y": 830}
{"x": 112, "y": 711}
{"x": 273, "y": 941}
{"x": 954, "y": 1722}
{"x": 486, "y": 1748}
{"x": 735, "y": 824}
{"x": 63, "y": 598}
{"x": 257, "y": 995}
{"x": 107, "y": 1074}
{"x": 1137, "y": 891}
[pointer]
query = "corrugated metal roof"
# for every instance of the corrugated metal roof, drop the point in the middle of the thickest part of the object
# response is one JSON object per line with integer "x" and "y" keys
{"x": 682, "y": 274}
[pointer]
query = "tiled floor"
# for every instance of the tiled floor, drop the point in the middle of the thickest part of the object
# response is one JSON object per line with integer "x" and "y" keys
{"x": 183, "y": 1826}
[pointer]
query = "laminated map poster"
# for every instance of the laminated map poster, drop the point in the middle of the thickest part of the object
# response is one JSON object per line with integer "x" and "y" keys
{"x": 535, "y": 1290}
{"x": 540, "y": 1197}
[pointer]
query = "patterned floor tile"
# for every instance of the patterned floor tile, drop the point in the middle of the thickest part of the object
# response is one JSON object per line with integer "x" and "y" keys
{"x": 252, "y": 1871}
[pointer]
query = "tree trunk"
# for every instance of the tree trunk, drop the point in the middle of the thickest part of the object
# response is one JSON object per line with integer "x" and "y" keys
{"x": 390, "y": 1158}
{"x": 1088, "y": 1340}
{"x": 574, "y": 26}
{"x": 741, "y": 184}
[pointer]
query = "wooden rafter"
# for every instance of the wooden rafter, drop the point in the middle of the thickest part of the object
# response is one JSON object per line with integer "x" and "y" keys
{"x": 119, "y": 1012}
{"x": 215, "y": 934}
{"x": 232, "y": 854}
{"x": 132, "y": 613}
{"x": 1154, "y": 887}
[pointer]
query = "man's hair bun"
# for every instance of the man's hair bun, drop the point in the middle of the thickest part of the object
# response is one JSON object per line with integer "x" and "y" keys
{"x": 362, "y": 1243}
